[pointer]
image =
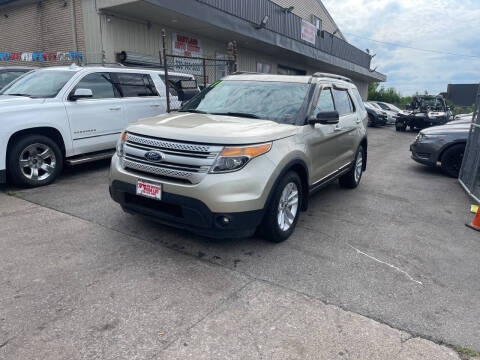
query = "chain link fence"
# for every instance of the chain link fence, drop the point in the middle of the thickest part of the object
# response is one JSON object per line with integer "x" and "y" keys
{"x": 470, "y": 171}
{"x": 205, "y": 72}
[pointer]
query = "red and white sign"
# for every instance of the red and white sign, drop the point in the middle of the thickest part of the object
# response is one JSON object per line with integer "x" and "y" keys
{"x": 309, "y": 32}
{"x": 149, "y": 190}
{"x": 185, "y": 45}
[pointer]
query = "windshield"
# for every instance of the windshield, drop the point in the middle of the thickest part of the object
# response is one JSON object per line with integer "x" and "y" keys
{"x": 6, "y": 77}
{"x": 277, "y": 101}
{"x": 394, "y": 108}
{"x": 383, "y": 106}
{"x": 39, "y": 84}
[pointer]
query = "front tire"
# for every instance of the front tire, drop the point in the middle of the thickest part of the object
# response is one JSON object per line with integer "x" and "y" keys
{"x": 451, "y": 161}
{"x": 351, "y": 179}
{"x": 34, "y": 160}
{"x": 284, "y": 209}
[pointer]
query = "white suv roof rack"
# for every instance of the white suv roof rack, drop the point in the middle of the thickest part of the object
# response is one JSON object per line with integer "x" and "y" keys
{"x": 331, "y": 76}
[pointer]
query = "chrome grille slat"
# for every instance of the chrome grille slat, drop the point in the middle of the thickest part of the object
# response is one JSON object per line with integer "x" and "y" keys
{"x": 181, "y": 160}
{"x": 170, "y": 166}
{"x": 173, "y": 152}
{"x": 158, "y": 143}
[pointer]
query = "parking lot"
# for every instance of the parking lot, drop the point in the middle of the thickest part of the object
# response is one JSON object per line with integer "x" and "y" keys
{"x": 81, "y": 279}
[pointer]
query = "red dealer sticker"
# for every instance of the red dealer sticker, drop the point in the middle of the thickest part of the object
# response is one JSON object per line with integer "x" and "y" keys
{"x": 147, "y": 189}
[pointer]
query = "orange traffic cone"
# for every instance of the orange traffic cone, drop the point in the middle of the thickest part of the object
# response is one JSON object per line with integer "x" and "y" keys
{"x": 475, "y": 225}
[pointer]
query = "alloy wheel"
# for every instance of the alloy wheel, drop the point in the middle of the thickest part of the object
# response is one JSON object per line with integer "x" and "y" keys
{"x": 358, "y": 166}
{"x": 37, "y": 162}
{"x": 288, "y": 206}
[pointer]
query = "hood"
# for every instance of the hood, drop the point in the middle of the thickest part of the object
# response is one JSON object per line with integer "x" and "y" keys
{"x": 447, "y": 129}
{"x": 8, "y": 102}
{"x": 212, "y": 129}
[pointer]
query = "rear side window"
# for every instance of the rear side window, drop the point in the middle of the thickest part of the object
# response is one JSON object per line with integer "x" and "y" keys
{"x": 343, "y": 103}
{"x": 135, "y": 85}
{"x": 359, "y": 99}
{"x": 100, "y": 84}
{"x": 325, "y": 102}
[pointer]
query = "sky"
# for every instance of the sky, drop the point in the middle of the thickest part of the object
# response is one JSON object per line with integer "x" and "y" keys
{"x": 451, "y": 26}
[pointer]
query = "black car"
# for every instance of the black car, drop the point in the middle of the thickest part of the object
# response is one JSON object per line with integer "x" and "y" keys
{"x": 10, "y": 73}
{"x": 376, "y": 116}
{"x": 424, "y": 111}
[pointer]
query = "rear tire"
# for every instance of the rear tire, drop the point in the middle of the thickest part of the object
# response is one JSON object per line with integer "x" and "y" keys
{"x": 451, "y": 160}
{"x": 401, "y": 127}
{"x": 284, "y": 209}
{"x": 351, "y": 179}
{"x": 34, "y": 160}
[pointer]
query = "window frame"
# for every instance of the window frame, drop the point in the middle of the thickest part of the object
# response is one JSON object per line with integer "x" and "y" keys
{"x": 353, "y": 109}
{"x": 116, "y": 92}
{"x": 317, "y": 98}
{"x": 314, "y": 22}
{"x": 146, "y": 78}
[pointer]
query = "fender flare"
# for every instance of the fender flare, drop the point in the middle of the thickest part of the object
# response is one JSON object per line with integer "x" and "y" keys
{"x": 292, "y": 164}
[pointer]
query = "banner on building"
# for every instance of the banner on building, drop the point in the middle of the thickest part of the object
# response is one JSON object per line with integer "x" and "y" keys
{"x": 184, "y": 45}
{"x": 309, "y": 32}
{"x": 38, "y": 56}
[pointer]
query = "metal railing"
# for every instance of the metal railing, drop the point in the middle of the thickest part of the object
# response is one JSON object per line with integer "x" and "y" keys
{"x": 289, "y": 25}
{"x": 470, "y": 171}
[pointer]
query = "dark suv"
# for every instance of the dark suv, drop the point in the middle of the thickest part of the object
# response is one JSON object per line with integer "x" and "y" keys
{"x": 424, "y": 111}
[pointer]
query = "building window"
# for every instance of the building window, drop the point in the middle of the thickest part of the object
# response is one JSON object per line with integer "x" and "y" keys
{"x": 264, "y": 68}
{"x": 286, "y": 70}
{"x": 317, "y": 22}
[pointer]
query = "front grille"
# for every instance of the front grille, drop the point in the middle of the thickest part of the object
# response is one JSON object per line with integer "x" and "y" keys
{"x": 181, "y": 161}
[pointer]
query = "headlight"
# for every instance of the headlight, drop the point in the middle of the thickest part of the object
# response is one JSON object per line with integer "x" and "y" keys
{"x": 121, "y": 145}
{"x": 235, "y": 158}
{"x": 423, "y": 137}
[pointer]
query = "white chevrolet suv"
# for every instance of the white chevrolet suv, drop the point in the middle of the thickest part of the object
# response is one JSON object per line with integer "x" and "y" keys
{"x": 72, "y": 115}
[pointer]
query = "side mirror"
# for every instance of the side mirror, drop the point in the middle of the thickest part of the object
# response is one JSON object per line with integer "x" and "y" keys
{"x": 325, "y": 117}
{"x": 81, "y": 94}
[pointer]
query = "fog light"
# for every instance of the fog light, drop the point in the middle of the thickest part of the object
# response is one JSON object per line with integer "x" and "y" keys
{"x": 224, "y": 220}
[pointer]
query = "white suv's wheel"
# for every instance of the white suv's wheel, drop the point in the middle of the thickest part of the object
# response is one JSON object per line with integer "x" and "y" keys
{"x": 34, "y": 160}
{"x": 282, "y": 213}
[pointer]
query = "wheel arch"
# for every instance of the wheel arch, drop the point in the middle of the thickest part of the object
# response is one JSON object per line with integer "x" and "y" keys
{"x": 300, "y": 167}
{"x": 449, "y": 146}
{"x": 49, "y": 132}
{"x": 364, "y": 144}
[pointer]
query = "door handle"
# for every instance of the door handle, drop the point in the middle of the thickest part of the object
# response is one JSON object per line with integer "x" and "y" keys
{"x": 155, "y": 105}
{"x": 115, "y": 108}
{"x": 358, "y": 121}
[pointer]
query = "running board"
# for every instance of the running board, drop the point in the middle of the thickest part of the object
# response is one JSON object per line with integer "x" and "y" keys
{"x": 82, "y": 159}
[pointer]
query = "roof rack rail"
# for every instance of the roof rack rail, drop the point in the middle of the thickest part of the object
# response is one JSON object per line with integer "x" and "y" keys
{"x": 246, "y": 72}
{"x": 332, "y": 76}
{"x": 104, "y": 64}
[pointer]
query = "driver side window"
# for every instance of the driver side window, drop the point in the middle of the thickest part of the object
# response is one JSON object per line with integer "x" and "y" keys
{"x": 325, "y": 102}
{"x": 100, "y": 84}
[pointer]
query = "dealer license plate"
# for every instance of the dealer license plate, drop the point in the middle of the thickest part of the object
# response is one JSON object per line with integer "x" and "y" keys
{"x": 149, "y": 189}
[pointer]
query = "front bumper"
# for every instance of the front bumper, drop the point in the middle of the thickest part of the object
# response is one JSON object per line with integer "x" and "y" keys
{"x": 186, "y": 213}
{"x": 423, "y": 153}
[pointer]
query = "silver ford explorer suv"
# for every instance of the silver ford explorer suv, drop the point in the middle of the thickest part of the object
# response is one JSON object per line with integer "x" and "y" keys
{"x": 243, "y": 155}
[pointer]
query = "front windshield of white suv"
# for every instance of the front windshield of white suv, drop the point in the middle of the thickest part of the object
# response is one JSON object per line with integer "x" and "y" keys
{"x": 277, "y": 101}
{"x": 39, "y": 84}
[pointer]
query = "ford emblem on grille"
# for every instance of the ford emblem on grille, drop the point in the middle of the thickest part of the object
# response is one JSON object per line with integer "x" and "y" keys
{"x": 154, "y": 156}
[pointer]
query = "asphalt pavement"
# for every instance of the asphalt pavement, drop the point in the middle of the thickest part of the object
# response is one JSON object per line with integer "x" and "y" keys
{"x": 369, "y": 273}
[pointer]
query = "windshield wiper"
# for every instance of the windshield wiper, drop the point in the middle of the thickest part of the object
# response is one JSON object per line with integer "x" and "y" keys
{"x": 239, "y": 114}
{"x": 26, "y": 95}
{"x": 194, "y": 111}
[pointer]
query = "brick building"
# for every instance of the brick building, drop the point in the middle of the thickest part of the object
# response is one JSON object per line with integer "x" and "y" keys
{"x": 273, "y": 36}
